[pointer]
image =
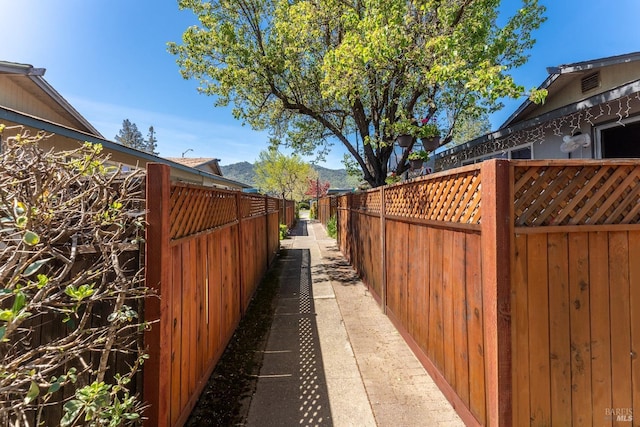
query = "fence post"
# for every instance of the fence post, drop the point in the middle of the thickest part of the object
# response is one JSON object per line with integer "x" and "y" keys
{"x": 239, "y": 247}
{"x": 497, "y": 223}
{"x": 157, "y": 370}
{"x": 383, "y": 250}
{"x": 266, "y": 228}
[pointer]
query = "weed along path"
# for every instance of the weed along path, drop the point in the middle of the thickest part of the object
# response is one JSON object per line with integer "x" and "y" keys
{"x": 319, "y": 352}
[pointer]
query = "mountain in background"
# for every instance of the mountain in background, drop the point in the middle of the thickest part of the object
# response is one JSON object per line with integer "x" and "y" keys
{"x": 244, "y": 172}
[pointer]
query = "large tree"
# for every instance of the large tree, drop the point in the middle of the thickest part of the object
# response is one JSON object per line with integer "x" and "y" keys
{"x": 470, "y": 128}
{"x": 357, "y": 71}
{"x": 151, "y": 143}
{"x": 282, "y": 175}
{"x": 130, "y": 136}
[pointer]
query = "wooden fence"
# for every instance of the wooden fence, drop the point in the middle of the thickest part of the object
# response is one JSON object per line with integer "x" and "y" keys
{"x": 516, "y": 283}
{"x": 327, "y": 208}
{"x": 207, "y": 250}
{"x": 287, "y": 213}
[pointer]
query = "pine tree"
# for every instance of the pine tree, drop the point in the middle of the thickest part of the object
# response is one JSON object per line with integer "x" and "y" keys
{"x": 130, "y": 136}
{"x": 151, "y": 142}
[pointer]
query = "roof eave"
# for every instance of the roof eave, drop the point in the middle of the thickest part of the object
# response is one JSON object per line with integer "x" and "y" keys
{"x": 35, "y": 122}
{"x": 36, "y": 75}
{"x": 600, "y": 98}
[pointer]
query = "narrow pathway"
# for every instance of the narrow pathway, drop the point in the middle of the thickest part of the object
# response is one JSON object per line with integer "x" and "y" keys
{"x": 332, "y": 357}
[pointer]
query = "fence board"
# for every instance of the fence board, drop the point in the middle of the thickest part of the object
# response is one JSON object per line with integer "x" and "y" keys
{"x": 520, "y": 332}
{"x": 448, "y": 341}
{"x": 176, "y": 335}
{"x": 414, "y": 275}
{"x": 436, "y": 351}
{"x": 600, "y": 326}
{"x": 620, "y": 322}
{"x": 185, "y": 332}
{"x": 475, "y": 329}
{"x": 579, "y": 293}
{"x": 559, "y": 329}
{"x": 215, "y": 296}
{"x": 396, "y": 273}
{"x": 460, "y": 316}
{"x": 538, "y": 294}
{"x": 634, "y": 304}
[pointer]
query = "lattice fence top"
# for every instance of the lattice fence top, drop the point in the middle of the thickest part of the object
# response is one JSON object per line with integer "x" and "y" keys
{"x": 252, "y": 205}
{"x": 448, "y": 197}
{"x": 445, "y": 197}
{"x": 196, "y": 209}
{"x": 368, "y": 201}
{"x": 590, "y": 193}
{"x": 272, "y": 205}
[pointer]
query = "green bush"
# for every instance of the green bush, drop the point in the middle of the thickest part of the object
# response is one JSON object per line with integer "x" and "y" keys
{"x": 332, "y": 227}
{"x": 313, "y": 213}
{"x": 284, "y": 230}
{"x": 303, "y": 205}
{"x": 51, "y": 205}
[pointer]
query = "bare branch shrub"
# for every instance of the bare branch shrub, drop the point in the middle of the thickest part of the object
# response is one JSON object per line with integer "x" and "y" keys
{"x": 72, "y": 286}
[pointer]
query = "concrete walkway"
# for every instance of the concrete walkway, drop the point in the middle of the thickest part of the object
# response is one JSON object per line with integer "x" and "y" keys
{"x": 332, "y": 357}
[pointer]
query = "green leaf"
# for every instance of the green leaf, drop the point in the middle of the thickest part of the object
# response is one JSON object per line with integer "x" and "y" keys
{"x": 19, "y": 302}
{"x": 7, "y": 315}
{"x": 3, "y": 329}
{"x": 79, "y": 293}
{"x": 33, "y": 392}
{"x": 55, "y": 386}
{"x": 31, "y": 238}
{"x": 42, "y": 281}
{"x": 71, "y": 411}
{"x": 35, "y": 266}
{"x": 21, "y": 221}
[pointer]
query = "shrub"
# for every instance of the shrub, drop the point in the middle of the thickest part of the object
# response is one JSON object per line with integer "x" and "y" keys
{"x": 70, "y": 228}
{"x": 284, "y": 230}
{"x": 313, "y": 213}
{"x": 332, "y": 227}
{"x": 303, "y": 205}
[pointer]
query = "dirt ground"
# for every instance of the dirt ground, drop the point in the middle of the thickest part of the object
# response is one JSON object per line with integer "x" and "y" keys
{"x": 226, "y": 397}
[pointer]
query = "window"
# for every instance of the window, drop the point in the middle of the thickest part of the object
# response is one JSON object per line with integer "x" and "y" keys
{"x": 518, "y": 153}
{"x": 619, "y": 141}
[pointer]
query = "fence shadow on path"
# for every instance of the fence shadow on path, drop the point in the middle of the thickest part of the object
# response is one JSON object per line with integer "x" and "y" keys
{"x": 292, "y": 387}
{"x": 335, "y": 265}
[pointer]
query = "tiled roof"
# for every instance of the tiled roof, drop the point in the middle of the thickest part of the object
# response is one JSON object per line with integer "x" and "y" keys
{"x": 191, "y": 161}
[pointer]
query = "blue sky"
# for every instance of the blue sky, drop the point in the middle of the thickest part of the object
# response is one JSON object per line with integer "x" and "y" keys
{"x": 108, "y": 58}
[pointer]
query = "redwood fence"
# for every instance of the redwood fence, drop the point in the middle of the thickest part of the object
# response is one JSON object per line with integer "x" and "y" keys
{"x": 207, "y": 250}
{"x": 327, "y": 208}
{"x": 516, "y": 283}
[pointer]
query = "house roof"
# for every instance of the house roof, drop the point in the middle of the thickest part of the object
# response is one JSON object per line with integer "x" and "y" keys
{"x": 199, "y": 163}
{"x": 120, "y": 153}
{"x": 32, "y": 80}
{"x": 601, "y": 98}
{"x": 559, "y": 76}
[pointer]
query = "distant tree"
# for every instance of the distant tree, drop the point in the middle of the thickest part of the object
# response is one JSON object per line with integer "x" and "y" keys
{"x": 130, "y": 136}
{"x": 286, "y": 176}
{"x": 317, "y": 188}
{"x": 469, "y": 128}
{"x": 151, "y": 142}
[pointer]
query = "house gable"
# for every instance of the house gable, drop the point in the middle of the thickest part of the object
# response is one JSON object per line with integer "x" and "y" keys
{"x": 565, "y": 84}
{"x": 609, "y": 99}
{"x": 206, "y": 164}
{"x": 24, "y": 89}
